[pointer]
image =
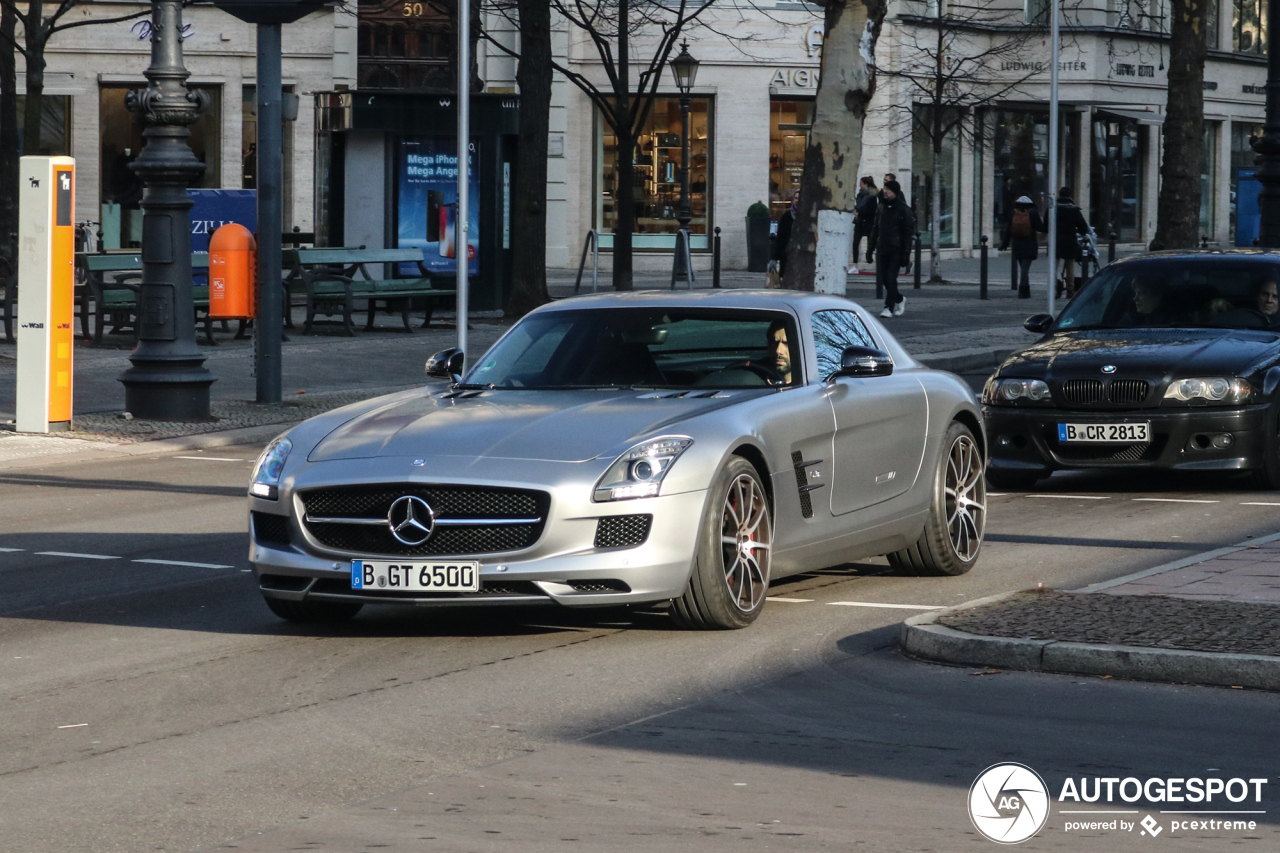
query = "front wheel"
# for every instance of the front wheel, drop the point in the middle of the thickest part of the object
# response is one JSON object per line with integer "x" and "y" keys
{"x": 952, "y": 537}
{"x": 730, "y": 576}
{"x": 312, "y": 612}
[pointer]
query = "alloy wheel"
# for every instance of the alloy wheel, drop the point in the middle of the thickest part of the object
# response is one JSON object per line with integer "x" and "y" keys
{"x": 966, "y": 494}
{"x": 746, "y": 537}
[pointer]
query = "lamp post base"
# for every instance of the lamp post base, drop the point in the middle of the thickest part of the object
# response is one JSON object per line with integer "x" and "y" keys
{"x": 173, "y": 391}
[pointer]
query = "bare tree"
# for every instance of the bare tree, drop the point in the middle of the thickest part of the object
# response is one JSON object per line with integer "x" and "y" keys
{"x": 823, "y": 229}
{"x": 1178, "y": 210}
{"x": 965, "y": 57}
{"x": 8, "y": 137}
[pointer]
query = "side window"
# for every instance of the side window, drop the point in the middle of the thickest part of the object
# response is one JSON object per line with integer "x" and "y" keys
{"x": 833, "y": 332}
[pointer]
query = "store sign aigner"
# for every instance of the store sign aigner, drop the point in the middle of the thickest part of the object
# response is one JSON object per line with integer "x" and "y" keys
{"x": 801, "y": 78}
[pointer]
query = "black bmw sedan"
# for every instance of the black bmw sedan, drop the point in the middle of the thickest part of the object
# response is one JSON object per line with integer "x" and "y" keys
{"x": 1163, "y": 361}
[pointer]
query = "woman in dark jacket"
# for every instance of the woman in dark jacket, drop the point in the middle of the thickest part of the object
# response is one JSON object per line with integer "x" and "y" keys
{"x": 1021, "y": 232}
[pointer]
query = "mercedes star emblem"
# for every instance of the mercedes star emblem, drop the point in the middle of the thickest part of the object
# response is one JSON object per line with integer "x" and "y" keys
{"x": 411, "y": 520}
{"x": 1108, "y": 368}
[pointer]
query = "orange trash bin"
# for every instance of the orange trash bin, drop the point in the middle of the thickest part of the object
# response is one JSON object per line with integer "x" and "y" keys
{"x": 233, "y": 273}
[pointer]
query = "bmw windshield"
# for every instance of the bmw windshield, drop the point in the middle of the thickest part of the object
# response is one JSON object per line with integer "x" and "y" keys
{"x": 643, "y": 348}
{"x": 1211, "y": 291}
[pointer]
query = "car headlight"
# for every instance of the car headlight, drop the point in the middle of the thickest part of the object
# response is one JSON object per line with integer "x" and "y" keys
{"x": 1005, "y": 391}
{"x": 638, "y": 473}
{"x": 266, "y": 473}
{"x": 1213, "y": 389}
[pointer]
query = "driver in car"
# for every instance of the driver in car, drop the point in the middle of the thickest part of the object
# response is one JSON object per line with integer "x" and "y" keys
{"x": 781, "y": 350}
{"x": 1267, "y": 300}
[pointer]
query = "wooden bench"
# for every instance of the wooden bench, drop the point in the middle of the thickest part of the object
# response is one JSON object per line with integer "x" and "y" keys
{"x": 329, "y": 281}
{"x": 113, "y": 280}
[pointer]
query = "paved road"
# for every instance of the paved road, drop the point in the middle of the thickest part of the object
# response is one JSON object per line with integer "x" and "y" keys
{"x": 151, "y": 702}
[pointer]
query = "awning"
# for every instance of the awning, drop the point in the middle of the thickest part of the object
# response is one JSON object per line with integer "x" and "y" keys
{"x": 1140, "y": 116}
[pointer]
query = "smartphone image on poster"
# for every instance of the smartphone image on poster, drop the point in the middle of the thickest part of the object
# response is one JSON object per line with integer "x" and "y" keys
{"x": 435, "y": 202}
{"x": 448, "y": 212}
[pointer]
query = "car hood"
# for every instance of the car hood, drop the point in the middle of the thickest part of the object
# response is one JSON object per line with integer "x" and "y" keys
{"x": 1146, "y": 353}
{"x": 555, "y": 426}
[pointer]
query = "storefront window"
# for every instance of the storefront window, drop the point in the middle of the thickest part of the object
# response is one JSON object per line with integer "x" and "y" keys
{"x": 1208, "y": 169}
{"x": 789, "y": 125}
{"x": 923, "y": 176}
{"x": 657, "y": 176}
{"x": 121, "y": 140}
{"x": 1021, "y": 160}
{"x": 249, "y": 150}
{"x": 1244, "y": 185}
{"x": 1249, "y": 26}
{"x": 1211, "y": 24}
{"x": 1116, "y": 179}
{"x": 405, "y": 44}
{"x": 55, "y": 125}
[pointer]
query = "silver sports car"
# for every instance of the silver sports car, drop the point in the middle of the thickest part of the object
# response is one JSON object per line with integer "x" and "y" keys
{"x": 629, "y": 449}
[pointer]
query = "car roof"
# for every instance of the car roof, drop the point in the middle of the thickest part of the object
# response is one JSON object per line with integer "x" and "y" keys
{"x": 800, "y": 302}
{"x": 1205, "y": 255}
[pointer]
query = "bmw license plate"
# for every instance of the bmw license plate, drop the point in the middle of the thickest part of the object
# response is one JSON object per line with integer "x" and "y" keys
{"x": 1137, "y": 433}
{"x": 456, "y": 576}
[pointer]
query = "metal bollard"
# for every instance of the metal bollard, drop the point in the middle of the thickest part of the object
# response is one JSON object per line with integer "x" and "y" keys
{"x": 982, "y": 269}
{"x": 1111, "y": 248}
{"x": 916, "y": 283}
{"x": 715, "y": 260}
{"x": 1013, "y": 271}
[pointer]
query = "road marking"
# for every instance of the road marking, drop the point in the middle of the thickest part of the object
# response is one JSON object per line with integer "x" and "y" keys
{"x": 1075, "y": 497}
{"x": 1245, "y": 503}
{"x": 184, "y": 563}
{"x": 1174, "y": 500}
{"x": 10, "y": 550}
{"x": 211, "y": 458}
{"x": 74, "y": 726}
{"x": 788, "y": 600}
{"x": 895, "y": 606}
{"x": 1100, "y": 811}
{"x": 71, "y": 554}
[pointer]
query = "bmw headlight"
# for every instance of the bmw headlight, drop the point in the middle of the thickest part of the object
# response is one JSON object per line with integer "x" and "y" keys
{"x": 1214, "y": 389}
{"x": 1005, "y": 391}
{"x": 266, "y": 473}
{"x": 638, "y": 473}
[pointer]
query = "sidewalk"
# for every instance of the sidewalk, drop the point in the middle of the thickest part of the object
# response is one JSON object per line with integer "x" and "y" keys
{"x": 1209, "y": 619}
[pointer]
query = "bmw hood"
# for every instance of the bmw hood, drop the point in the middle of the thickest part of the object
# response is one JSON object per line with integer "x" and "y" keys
{"x": 1145, "y": 353}
{"x": 553, "y": 426}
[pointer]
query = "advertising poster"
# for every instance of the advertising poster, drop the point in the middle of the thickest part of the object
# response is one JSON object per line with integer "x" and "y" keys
{"x": 428, "y": 207}
{"x": 211, "y": 209}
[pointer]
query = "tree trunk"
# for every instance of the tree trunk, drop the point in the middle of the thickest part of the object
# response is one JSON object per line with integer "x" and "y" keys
{"x": 624, "y": 210}
{"x": 8, "y": 136}
{"x": 823, "y": 231}
{"x": 529, "y": 210}
{"x": 1178, "y": 211}
{"x": 34, "y": 101}
{"x": 935, "y": 212}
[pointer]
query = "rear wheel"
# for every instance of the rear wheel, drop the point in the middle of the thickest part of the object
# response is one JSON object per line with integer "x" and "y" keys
{"x": 952, "y": 537}
{"x": 730, "y": 576}
{"x": 312, "y": 612}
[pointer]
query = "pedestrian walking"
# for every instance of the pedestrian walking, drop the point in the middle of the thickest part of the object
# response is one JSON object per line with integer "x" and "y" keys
{"x": 1071, "y": 222}
{"x": 783, "y": 237}
{"x": 891, "y": 236}
{"x": 1020, "y": 231}
{"x": 864, "y": 219}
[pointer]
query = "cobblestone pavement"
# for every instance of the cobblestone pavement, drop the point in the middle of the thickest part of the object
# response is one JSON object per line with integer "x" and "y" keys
{"x": 1147, "y": 621}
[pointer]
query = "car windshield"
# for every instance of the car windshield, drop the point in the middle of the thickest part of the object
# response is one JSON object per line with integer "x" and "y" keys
{"x": 1219, "y": 292}
{"x": 643, "y": 347}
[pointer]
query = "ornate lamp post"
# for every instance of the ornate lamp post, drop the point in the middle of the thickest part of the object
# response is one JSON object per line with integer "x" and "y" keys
{"x": 685, "y": 69}
{"x": 1268, "y": 145}
{"x": 168, "y": 380}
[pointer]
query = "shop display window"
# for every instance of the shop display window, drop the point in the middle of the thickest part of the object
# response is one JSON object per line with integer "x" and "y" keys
{"x": 922, "y": 178}
{"x": 1116, "y": 182}
{"x": 656, "y": 193}
{"x": 788, "y": 138}
{"x": 249, "y": 150}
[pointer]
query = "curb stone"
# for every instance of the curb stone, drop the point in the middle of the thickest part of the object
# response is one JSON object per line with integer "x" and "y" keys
{"x": 922, "y": 637}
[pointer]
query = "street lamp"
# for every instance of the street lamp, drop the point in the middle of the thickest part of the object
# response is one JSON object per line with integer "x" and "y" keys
{"x": 168, "y": 380}
{"x": 685, "y": 69}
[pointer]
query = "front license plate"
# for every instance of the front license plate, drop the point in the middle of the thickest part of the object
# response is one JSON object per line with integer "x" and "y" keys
{"x": 1139, "y": 433}
{"x": 416, "y": 577}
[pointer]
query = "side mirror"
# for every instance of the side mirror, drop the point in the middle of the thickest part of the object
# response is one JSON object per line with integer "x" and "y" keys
{"x": 1038, "y": 323}
{"x": 446, "y": 364}
{"x": 864, "y": 361}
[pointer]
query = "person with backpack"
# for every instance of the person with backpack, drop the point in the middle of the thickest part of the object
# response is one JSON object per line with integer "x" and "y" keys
{"x": 1071, "y": 222}
{"x": 891, "y": 238}
{"x": 1020, "y": 232}
{"x": 864, "y": 218}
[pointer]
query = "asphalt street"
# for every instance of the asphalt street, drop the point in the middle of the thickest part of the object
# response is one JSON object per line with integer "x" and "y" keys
{"x": 153, "y": 703}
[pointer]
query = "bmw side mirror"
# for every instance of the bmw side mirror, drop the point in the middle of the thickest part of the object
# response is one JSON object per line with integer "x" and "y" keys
{"x": 864, "y": 361}
{"x": 1038, "y": 323}
{"x": 446, "y": 364}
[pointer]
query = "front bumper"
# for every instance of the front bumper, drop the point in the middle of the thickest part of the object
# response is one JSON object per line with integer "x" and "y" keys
{"x": 1025, "y": 440}
{"x": 563, "y": 567}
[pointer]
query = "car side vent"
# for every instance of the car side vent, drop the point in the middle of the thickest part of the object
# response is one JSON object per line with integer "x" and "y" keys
{"x": 622, "y": 531}
{"x": 599, "y": 586}
{"x": 802, "y": 481}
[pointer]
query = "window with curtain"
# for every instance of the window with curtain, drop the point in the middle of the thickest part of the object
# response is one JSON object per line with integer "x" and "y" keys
{"x": 1249, "y": 26}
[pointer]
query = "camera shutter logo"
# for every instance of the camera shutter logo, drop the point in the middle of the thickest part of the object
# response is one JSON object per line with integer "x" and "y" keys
{"x": 1008, "y": 803}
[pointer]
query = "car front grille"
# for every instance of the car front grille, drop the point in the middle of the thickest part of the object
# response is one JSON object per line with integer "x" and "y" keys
{"x": 1128, "y": 391}
{"x": 471, "y": 520}
{"x": 1085, "y": 454}
{"x": 622, "y": 531}
{"x": 1095, "y": 392}
{"x": 1082, "y": 391}
{"x": 501, "y": 589}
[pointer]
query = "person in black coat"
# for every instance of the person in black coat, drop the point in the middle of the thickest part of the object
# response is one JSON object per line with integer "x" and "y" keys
{"x": 783, "y": 238}
{"x": 864, "y": 216}
{"x": 891, "y": 238}
{"x": 1020, "y": 231}
{"x": 1070, "y": 222}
